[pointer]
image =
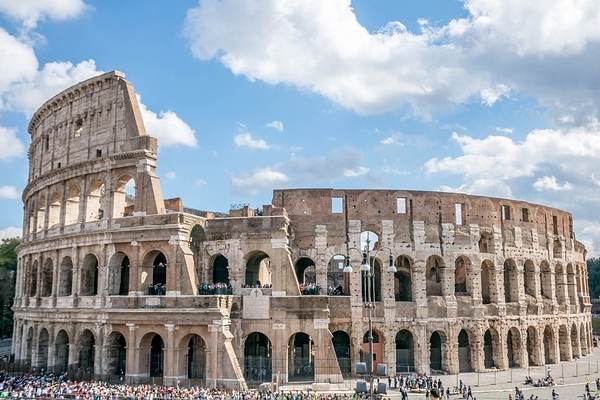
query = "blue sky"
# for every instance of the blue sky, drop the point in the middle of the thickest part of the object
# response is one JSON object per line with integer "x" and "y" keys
{"x": 477, "y": 96}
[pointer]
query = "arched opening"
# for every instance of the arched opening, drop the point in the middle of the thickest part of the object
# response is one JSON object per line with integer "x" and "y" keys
{"x": 461, "y": 270}
{"x": 513, "y": 346}
{"x": 574, "y": 341}
{"x": 124, "y": 197}
{"x": 546, "y": 280}
{"x": 341, "y": 345}
{"x": 434, "y": 269}
{"x": 72, "y": 204}
{"x": 377, "y": 356}
{"x": 561, "y": 285}
{"x": 368, "y": 239}
{"x": 258, "y": 270}
{"x": 529, "y": 281}
{"x": 557, "y": 249}
{"x": 156, "y": 275}
{"x": 549, "y": 348}
{"x": 338, "y": 283}
{"x": 33, "y": 279}
{"x": 87, "y": 351}
{"x": 220, "y": 270}
{"x": 533, "y": 353}
{"x": 41, "y": 213}
{"x": 464, "y": 352}
{"x": 305, "y": 271}
{"x": 94, "y": 209}
{"x": 47, "y": 273}
{"x": 488, "y": 277}
{"x": 405, "y": 356}
{"x": 197, "y": 237}
{"x": 118, "y": 278}
{"x": 403, "y": 279}
{"x": 435, "y": 352}
{"x": 29, "y": 345}
{"x": 54, "y": 210}
{"x": 116, "y": 354}
{"x": 488, "y": 350}
{"x": 89, "y": 276}
{"x": 42, "y": 356}
{"x": 65, "y": 277}
{"x": 196, "y": 358}
{"x": 301, "y": 355}
{"x": 564, "y": 343}
{"x": 511, "y": 290}
{"x": 371, "y": 286}
{"x": 571, "y": 284}
{"x": 583, "y": 340}
{"x": 151, "y": 355}
{"x": 61, "y": 352}
{"x": 257, "y": 358}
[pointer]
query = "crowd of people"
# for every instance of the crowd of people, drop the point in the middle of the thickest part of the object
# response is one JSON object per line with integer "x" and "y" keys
{"x": 158, "y": 289}
{"x": 310, "y": 289}
{"x": 256, "y": 285}
{"x": 206, "y": 288}
{"x": 336, "y": 291}
{"x": 548, "y": 380}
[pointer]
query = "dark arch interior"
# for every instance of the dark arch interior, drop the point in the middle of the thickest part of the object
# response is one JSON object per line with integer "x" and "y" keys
{"x": 156, "y": 357}
{"x": 196, "y": 358}
{"x": 87, "y": 351}
{"x": 302, "y": 274}
{"x": 435, "y": 352}
{"x": 220, "y": 269}
{"x": 159, "y": 270}
{"x": 301, "y": 358}
{"x": 124, "y": 283}
{"x": 488, "y": 350}
{"x": 257, "y": 270}
{"x": 464, "y": 352}
{"x": 405, "y": 361}
{"x": 341, "y": 345}
{"x": 116, "y": 354}
{"x": 257, "y": 358}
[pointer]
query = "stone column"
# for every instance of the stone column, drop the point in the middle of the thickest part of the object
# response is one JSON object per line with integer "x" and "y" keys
{"x": 422, "y": 351}
{"x": 212, "y": 355}
{"x": 477, "y": 352}
{"x": 55, "y": 283}
{"x": 51, "y": 348}
{"x": 419, "y": 290}
{"x": 132, "y": 370}
{"x": 389, "y": 351}
{"x": 98, "y": 351}
{"x": 170, "y": 374}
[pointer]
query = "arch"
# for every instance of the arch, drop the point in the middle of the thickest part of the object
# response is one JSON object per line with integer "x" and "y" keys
{"x": 87, "y": 351}
{"x": 464, "y": 352}
{"x": 546, "y": 280}
{"x": 61, "y": 351}
{"x": 434, "y": 270}
{"x": 47, "y": 275}
{"x": 437, "y": 343}
{"x": 72, "y": 204}
{"x": 405, "y": 352}
{"x": 220, "y": 269}
{"x": 403, "y": 279}
{"x": 124, "y": 197}
{"x": 564, "y": 343}
{"x": 575, "y": 351}
{"x": 488, "y": 350}
{"x": 461, "y": 271}
{"x": 54, "y": 210}
{"x": 258, "y": 269}
{"x": 195, "y": 357}
{"x": 33, "y": 279}
{"x": 557, "y": 249}
{"x": 341, "y": 345}
{"x": 305, "y": 270}
{"x": 533, "y": 348}
{"x": 65, "y": 277}
{"x": 511, "y": 289}
{"x": 40, "y": 212}
{"x": 549, "y": 347}
{"x": 155, "y": 276}
{"x": 571, "y": 286}
{"x": 371, "y": 287}
{"x": 42, "y": 350}
{"x": 488, "y": 279}
{"x": 197, "y": 237}
{"x": 89, "y": 276}
{"x": 116, "y": 354}
{"x": 301, "y": 358}
{"x": 378, "y": 348}
{"x": 514, "y": 348}
{"x": 152, "y": 355}
{"x": 118, "y": 274}
{"x": 370, "y": 239}
{"x": 560, "y": 284}
{"x": 529, "y": 279}
{"x": 338, "y": 283}
{"x": 94, "y": 210}
{"x": 257, "y": 358}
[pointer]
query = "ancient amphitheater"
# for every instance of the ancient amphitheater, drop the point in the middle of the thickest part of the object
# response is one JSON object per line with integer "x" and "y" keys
{"x": 114, "y": 279}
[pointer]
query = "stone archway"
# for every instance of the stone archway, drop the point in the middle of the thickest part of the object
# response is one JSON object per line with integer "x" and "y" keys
{"x": 464, "y": 352}
{"x": 437, "y": 343}
{"x": 61, "y": 352}
{"x": 550, "y": 355}
{"x": 341, "y": 345}
{"x": 405, "y": 352}
{"x": 301, "y": 366}
{"x": 257, "y": 358}
{"x": 514, "y": 348}
{"x": 116, "y": 355}
{"x": 87, "y": 351}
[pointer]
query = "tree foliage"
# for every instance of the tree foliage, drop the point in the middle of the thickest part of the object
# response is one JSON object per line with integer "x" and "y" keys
{"x": 593, "y": 265}
{"x": 8, "y": 268}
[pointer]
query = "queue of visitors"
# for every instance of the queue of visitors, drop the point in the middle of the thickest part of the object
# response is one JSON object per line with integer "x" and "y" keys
{"x": 256, "y": 285}
{"x": 207, "y": 288}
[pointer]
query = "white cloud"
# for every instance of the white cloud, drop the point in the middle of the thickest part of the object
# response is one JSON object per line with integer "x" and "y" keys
{"x": 10, "y": 232}
{"x": 30, "y": 12}
{"x": 9, "y": 192}
{"x": 200, "y": 182}
{"x": 505, "y": 130}
{"x": 490, "y": 95}
{"x": 550, "y": 183}
{"x": 17, "y": 61}
{"x": 392, "y": 140}
{"x": 10, "y": 145}
{"x": 246, "y": 139}
{"x": 277, "y": 125}
{"x": 171, "y": 175}
{"x": 354, "y": 172}
{"x": 258, "y": 181}
{"x": 167, "y": 127}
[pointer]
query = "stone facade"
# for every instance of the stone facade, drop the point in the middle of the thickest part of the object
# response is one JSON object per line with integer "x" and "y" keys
{"x": 113, "y": 279}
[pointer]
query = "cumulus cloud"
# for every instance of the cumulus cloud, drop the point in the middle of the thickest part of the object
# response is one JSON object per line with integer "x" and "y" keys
{"x": 277, "y": 125}
{"x": 9, "y": 192}
{"x": 10, "y": 232}
{"x": 171, "y": 175}
{"x": 258, "y": 181}
{"x": 10, "y": 145}
{"x": 550, "y": 183}
{"x": 30, "y": 12}
{"x": 17, "y": 61}
{"x": 167, "y": 127}
{"x": 355, "y": 172}
{"x": 547, "y": 50}
{"x": 246, "y": 139}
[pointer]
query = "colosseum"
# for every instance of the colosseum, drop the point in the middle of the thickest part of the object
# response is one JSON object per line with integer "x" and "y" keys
{"x": 116, "y": 280}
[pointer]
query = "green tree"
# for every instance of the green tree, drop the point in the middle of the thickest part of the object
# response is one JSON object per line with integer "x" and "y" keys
{"x": 8, "y": 268}
{"x": 593, "y": 265}
{"x": 8, "y": 254}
